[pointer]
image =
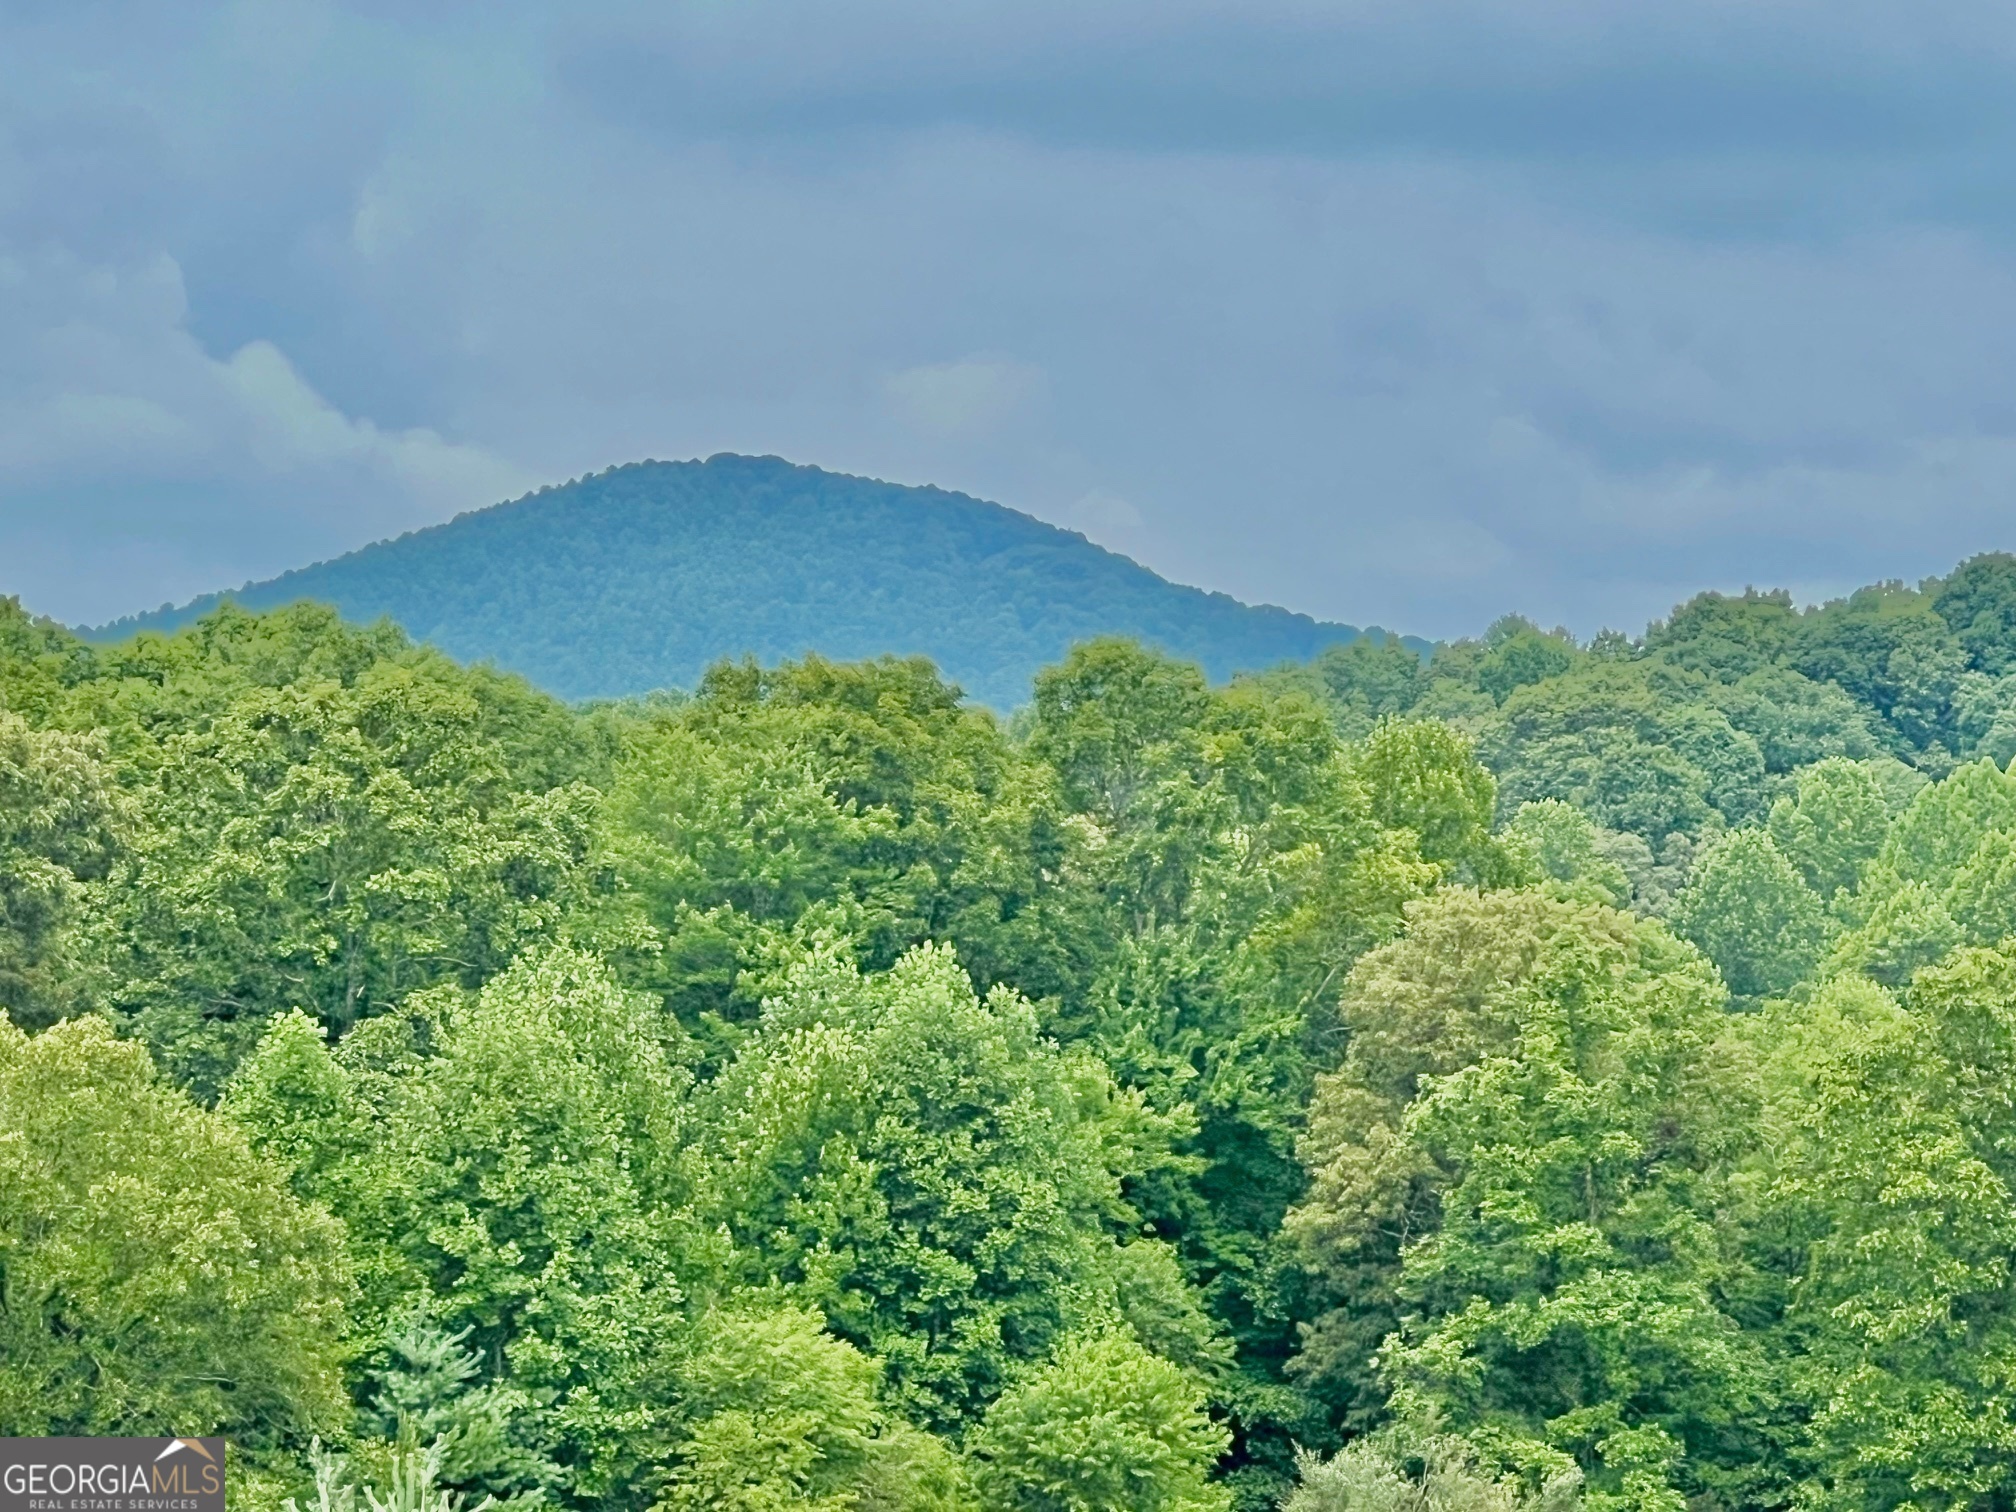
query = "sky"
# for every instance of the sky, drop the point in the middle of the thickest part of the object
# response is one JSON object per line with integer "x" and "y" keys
{"x": 1408, "y": 313}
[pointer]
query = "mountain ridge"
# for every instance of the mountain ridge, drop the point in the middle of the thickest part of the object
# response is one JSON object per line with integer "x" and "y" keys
{"x": 640, "y": 576}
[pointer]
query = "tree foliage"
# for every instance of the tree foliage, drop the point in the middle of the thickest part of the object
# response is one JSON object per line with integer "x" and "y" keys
{"x": 155, "y": 1268}
{"x": 1532, "y": 1074}
{"x": 60, "y": 824}
{"x": 922, "y": 1166}
{"x": 1104, "y": 1427}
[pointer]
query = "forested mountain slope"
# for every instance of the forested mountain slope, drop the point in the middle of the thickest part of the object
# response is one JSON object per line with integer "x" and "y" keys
{"x": 1708, "y": 720}
{"x": 1555, "y": 1076}
{"x": 639, "y": 577}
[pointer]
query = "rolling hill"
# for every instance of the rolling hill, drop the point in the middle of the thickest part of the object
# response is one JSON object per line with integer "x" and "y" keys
{"x": 638, "y": 577}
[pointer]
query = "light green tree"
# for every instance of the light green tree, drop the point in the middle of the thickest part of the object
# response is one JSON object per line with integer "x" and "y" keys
{"x": 772, "y": 1412}
{"x": 40, "y": 662}
{"x": 1982, "y": 896}
{"x": 1424, "y": 776}
{"x": 511, "y": 1163}
{"x": 1567, "y": 1298}
{"x": 863, "y": 802}
{"x": 1559, "y": 1276}
{"x": 1399, "y": 1470}
{"x": 1513, "y": 1199}
{"x": 1900, "y": 1180}
{"x": 924, "y": 1167}
{"x": 1564, "y": 845}
{"x": 158, "y": 1274}
{"x": 60, "y": 814}
{"x": 1753, "y": 915}
{"x": 1111, "y": 719}
{"x": 1459, "y": 988}
{"x": 1906, "y": 926}
{"x": 1946, "y": 822}
{"x": 406, "y": 1478}
{"x": 330, "y": 847}
{"x": 1103, "y": 1427}
{"x": 1832, "y": 825}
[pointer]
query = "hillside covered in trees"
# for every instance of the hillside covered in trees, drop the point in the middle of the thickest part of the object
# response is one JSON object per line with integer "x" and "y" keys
{"x": 1549, "y": 1075}
{"x": 640, "y": 577}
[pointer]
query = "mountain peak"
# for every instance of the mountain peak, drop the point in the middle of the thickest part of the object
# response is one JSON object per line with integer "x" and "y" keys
{"x": 640, "y": 576}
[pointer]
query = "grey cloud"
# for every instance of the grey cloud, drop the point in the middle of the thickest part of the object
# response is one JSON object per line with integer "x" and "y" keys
{"x": 1592, "y": 80}
{"x": 126, "y": 448}
{"x": 1570, "y": 308}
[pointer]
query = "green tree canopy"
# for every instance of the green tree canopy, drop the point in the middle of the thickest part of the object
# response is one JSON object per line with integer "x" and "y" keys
{"x": 1979, "y": 601}
{"x": 1727, "y": 638}
{"x": 1457, "y": 990}
{"x": 156, "y": 1275}
{"x": 1753, "y": 915}
{"x": 60, "y": 823}
{"x": 1104, "y": 1427}
{"x": 1563, "y": 844}
{"x": 1900, "y": 1184}
{"x": 865, "y": 800}
{"x": 921, "y": 1165}
{"x": 1832, "y": 825}
{"x": 510, "y": 1163}
{"x": 773, "y": 1412}
{"x": 330, "y": 846}
{"x": 1399, "y": 1471}
{"x": 1947, "y": 821}
{"x": 1424, "y": 777}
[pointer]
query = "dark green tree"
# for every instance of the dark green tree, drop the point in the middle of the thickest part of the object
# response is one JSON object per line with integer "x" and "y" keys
{"x": 1979, "y": 601}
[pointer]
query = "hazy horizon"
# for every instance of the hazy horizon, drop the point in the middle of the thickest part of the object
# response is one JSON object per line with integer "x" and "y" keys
{"x": 226, "y": 590}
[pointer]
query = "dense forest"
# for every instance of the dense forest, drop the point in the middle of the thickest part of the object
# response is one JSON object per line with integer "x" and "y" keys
{"x": 1536, "y": 1076}
{"x": 643, "y": 576}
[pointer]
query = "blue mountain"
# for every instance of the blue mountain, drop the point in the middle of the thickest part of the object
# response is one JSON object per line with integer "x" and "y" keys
{"x": 639, "y": 577}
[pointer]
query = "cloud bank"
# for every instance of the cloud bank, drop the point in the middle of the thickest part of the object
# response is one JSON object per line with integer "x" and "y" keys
{"x": 1399, "y": 313}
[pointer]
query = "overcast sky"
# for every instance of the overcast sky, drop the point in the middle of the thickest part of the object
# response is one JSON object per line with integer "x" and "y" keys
{"x": 1409, "y": 313}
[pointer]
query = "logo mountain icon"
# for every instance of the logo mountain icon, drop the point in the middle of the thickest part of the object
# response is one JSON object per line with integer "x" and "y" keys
{"x": 175, "y": 1444}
